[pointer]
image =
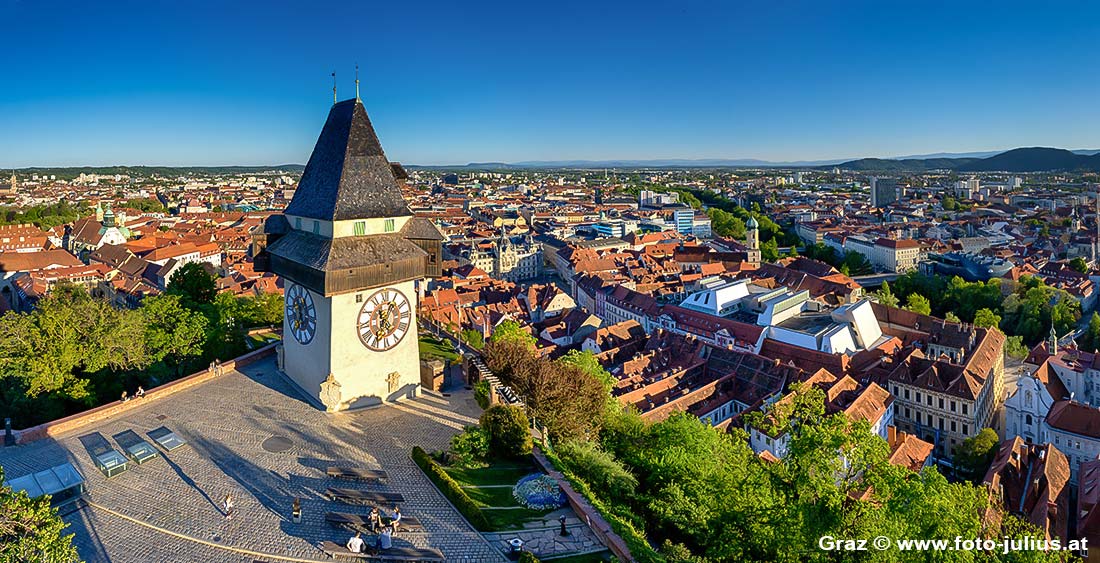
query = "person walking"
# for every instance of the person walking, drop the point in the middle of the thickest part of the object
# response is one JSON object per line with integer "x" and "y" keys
{"x": 227, "y": 505}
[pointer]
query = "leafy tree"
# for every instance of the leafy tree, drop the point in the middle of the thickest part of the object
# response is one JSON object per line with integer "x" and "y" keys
{"x": 31, "y": 530}
{"x": 66, "y": 338}
{"x": 919, "y": 304}
{"x": 511, "y": 331}
{"x": 473, "y": 338}
{"x": 146, "y": 204}
{"x": 1079, "y": 264}
{"x": 173, "y": 333}
{"x": 769, "y": 250}
{"x": 1090, "y": 340}
{"x": 986, "y": 318}
{"x": 508, "y": 430}
{"x": 974, "y": 454}
{"x": 951, "y": 317}
{"x": 267, "y": 309}
{"x": 949, "y": 204}
{"x": 561, "y": 395}
{"x": 885, "y": 296}
{"x": 856, "y": 264}
{"x": 1015, "y": 348}
{"x": 726, "y": 224}
{"x": 193, "y": 284}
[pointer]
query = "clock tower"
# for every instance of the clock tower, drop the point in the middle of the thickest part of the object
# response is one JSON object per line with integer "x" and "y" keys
{"x": 351, "y": 256}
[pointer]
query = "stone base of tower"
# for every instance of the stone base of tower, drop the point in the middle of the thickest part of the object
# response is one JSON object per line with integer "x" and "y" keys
{"x": 352, "y": 388}
{"x": 337, "y": 372}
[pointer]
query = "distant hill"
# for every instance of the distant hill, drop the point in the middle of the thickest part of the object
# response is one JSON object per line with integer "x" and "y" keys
{"x": 70, "y": 172}
{"x": 1030, "y": 159}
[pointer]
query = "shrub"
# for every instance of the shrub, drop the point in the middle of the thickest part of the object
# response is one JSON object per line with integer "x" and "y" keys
{"x": 527, "y": 557}
{"x": 450, "y": 489}
{"x": 625, "y": 527}
{"x": 598, "y": 468}
{"x": 469, "y": 448}
{"x": 481, "y": 394}
{"x": 509, "y": 431}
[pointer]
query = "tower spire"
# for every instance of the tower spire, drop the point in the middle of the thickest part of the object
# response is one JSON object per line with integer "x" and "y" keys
{"x": 357, "y": 83}
{"x": 334, "y": 87}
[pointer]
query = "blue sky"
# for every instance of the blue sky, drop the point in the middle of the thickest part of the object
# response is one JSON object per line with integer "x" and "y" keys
{"x": 236, "y": 82}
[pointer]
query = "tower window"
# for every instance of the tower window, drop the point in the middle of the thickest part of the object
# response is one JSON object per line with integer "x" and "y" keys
{"x": 389, "y": 225}
{"x": 358, "y": 296}
{"x": 360, "y": 228}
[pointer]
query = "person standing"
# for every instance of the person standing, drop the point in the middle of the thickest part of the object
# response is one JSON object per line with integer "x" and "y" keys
{"x": 385, "y": 539}
{"x": 355, "y": 544}
{"x": 227, "y": 505}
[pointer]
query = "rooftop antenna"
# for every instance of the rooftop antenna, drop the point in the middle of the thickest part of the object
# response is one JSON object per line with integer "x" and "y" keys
{"x": 334, "y": 87}
{"x": 357, "y": 83}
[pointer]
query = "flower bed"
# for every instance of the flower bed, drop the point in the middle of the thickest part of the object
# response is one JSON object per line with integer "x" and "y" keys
{"x": 539, "y": 491}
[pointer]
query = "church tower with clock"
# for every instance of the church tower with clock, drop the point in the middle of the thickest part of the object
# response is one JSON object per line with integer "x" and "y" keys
{"x": 351, "y": 256}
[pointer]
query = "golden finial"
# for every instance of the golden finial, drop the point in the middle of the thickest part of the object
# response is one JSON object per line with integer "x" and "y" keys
{"x": 334, "y": 87}
{"x": 357, "y": 83}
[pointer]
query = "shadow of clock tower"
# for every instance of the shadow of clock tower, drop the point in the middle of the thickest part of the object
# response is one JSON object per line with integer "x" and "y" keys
{"x": 352, "y": 256}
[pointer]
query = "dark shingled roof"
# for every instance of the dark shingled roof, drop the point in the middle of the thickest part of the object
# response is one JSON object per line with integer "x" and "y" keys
{"x": 343, "y": 253}
{"x": 421, "y": 228}
{"x": 348, "y": 176}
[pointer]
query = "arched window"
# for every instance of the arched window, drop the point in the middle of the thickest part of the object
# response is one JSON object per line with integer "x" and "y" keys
{"x": 1027, "y": 399}
{"x": 1027, "y": 420}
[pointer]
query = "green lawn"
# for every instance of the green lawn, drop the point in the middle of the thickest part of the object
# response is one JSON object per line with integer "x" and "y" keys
{"x": 492, "y": 496}
{"x": 263, "y": 339}
{"x": 434, "y": 348}
{"x": 492, "y": 475}
{"x": 502, "y": 510}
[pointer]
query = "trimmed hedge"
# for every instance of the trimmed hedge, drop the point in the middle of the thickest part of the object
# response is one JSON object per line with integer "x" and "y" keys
{"x": 450, "y": 489}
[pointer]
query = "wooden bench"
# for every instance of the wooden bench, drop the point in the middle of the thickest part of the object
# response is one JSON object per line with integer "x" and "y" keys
{"x": 361, "y": 522}
{"x": 357, "y": 496}
{"x": 395, "y": 553}
{"x": 333, "y": 549}
{"x": 356, "y": 474}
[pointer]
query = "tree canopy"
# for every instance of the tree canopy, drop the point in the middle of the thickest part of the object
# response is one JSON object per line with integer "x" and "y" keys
{"x": 31, "y": 530}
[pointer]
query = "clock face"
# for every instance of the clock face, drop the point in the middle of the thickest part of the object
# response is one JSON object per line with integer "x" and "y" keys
{"x": 384, "y": 319}
{"x": 301, "y": 314}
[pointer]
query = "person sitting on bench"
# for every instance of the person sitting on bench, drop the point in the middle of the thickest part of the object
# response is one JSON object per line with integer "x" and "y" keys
{"x": 374, "y": 520}
{"x": 355, "y": 544}
{"x": 396, "y": 518}
{"x": 385, "y": 540}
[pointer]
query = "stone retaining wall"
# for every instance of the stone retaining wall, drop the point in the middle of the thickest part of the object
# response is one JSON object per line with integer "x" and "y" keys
{"x": 586, "y": 511}
{"x": 103, "y": 412}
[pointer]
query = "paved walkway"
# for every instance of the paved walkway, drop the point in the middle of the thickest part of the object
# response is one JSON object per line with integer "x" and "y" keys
{"x": 168, "y": 508}
{"x": 543, "y": 537}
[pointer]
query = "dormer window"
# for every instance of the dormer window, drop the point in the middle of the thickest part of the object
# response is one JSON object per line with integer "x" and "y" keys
{"x": 316, "y": 227}
{"x": 360, "y": 228}
{"x": 389, "y": 225}
{"x": 298, "y": 223}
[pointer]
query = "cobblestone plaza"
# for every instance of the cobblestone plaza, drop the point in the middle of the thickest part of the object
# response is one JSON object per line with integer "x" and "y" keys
{"x": 169, "y": 508}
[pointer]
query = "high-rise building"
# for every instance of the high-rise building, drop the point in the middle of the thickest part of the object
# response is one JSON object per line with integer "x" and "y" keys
{"x": 683, "y": 217}
{"x": 884, "y": 191}
{"x": 352, "y": 256}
